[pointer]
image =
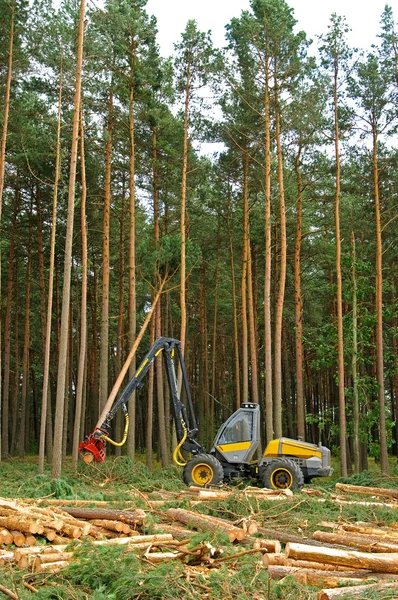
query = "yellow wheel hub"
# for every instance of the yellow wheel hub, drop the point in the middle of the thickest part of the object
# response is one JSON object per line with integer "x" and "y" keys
{"x": 281, "y": 479}
{"x": 202, "y": 474}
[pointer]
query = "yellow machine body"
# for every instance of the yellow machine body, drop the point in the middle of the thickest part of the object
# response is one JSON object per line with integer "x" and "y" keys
{"x": 289, "y": 447}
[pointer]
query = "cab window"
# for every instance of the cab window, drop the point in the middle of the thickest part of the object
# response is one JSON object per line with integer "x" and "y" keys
{"x": 238, "y": 429}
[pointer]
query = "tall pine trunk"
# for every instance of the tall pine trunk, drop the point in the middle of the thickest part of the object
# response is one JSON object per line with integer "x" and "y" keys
{"x": 298, "y": 303}
{"x": 282, "y": 283}
{"x": 339, "y": 293}
{"x": 132, "y": 302}
{"x": 83, "y": 309}
{"x": 2, "y": 164}
{"x": 63, "y": 350}
{"x": 269, "y": 427}
{"x": 7, "y": 330}
{"x": 104, "y": 352}
{"x": 379, "y": 312}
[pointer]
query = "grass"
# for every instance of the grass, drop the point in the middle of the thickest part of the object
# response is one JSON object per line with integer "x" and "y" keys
{"x": 101, "y": 573}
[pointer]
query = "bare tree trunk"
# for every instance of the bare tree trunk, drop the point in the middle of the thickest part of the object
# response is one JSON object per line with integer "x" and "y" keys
{"x": 45, "y": 408}
{"x": 63, "y": 353}
{"x": 104, "y": 352}
{"x": 15, "y": 395}
{"x": 164, "y": 437}
{"x": 7, "y": 330}
{"x": 149, "y": 422}
{"x": 269, "y": 426}
{"x": 26, "y": 344}
{"x": 210, "y": 417}
{"x": 3, "y": 161}
{"x": 379, "y": 313}
{"x": 132, "y": 304}
{"x": 354, "y": 359}
{"x": 340, "y": 342}
{"x": 235, "y": 318}
{"x": 83, "y": 318}
{"x": 119, "y": 359}
{"x": 245, "y": 253}
{"x": 252, "y": 329}
{"x": 282, "y": 283}
{"x": 298, "y": 303}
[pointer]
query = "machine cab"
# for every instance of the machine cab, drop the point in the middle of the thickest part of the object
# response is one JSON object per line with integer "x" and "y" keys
{"x": 239, "y": 437}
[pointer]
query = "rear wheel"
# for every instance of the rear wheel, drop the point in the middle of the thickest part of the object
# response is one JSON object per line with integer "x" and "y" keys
{"x": 202, "y": 470}
{"x": 281, "y": 474}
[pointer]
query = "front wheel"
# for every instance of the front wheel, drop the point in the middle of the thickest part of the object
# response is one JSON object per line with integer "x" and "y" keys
{"x": 282, "y": 474}
{"x": 203, "y": 470}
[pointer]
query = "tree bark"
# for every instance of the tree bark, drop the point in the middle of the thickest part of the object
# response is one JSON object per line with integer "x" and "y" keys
{"x": 7, "y": 332}
{"x": 382, "y": 563}
{"x": 379, "y": 313}
{"x": 355, "y": 591}
{"x": 104, "y": 352}
{"x": 62, "y": 361}
{"x": 25, "y": 359}
{"x": 269, "y": 420}
{"x": 3, "y": 160}
{"x": 83, "y": 310}
{"x": 282, "y": 283}
{"x": 235, "y": 318}
{"x": 339, "y": 293}
{"x": 245, "y": 355}
{"x": 298, "y": 303}
{"x": 132, "y": 304}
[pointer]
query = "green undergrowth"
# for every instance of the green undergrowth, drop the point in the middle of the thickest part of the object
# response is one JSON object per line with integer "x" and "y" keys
{"x": 111, "y": 573}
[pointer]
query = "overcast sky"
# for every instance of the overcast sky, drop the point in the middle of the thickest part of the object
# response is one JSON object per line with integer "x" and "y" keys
{"x": 312, "y": 15}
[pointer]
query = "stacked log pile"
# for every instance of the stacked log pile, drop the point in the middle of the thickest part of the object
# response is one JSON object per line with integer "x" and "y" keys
{"x": 375, "y": 560}
{"x": 29, "y": 527}
{"x": 37, "y": 535}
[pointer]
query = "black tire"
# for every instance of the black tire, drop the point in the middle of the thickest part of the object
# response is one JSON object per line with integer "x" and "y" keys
{"x": 281, "y": 474}
{"x": 203, "y": 470}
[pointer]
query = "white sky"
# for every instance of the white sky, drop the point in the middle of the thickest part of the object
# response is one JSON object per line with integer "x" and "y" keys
{"x": 363, "y": 16}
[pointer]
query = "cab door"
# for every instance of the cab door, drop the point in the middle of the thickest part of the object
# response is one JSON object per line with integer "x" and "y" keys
{"x": 239, "y": 437}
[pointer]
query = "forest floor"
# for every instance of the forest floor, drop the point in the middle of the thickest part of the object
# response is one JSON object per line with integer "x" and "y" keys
{"x": 109, "y": 572}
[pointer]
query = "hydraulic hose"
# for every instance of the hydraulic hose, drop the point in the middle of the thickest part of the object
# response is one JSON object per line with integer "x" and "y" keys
{"x": 177, "y": 456}
{"x": 126, "y": 428}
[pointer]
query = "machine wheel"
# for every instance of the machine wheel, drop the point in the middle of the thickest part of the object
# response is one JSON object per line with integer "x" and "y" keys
{"x": 202, "y": 470}
{"x": 281, "y": 474}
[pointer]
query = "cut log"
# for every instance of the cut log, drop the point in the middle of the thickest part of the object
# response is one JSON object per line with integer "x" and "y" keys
{"x": 18, "y": 523}
{"x": 30, "y": 540}
{"x": 366, "y": 529}
{"x": 283, "y": 561}
{"x": 34, "y": 550}
{"x": 137, "y": 539}
{"x": 268, "y": 546}
{"x": 18, "y": 537}
{"x": 177, "y": 532}
{"x": 42, "y": 559}
{"x": 384, "y": 563}
{"x": 53, "y": 567}
{"x": 8, "y": 592}
{"x": 284, "y": 537}
{"x": 361, "y": 542}
{"x": 342, "y": 502}
{"x": 205, "y": 523}
{"x": 371, "y": 491}
{"x": 331, "y": 579}
{"x": 63, "y": 502}
{"x": 355, "y": 591}
{"x": 117, "y": 526}
{"x": 132, "y": 518}
{"x": 6, "y": 536}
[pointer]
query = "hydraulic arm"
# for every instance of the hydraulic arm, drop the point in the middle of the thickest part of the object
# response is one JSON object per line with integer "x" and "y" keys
{"x": 93, "y": 447}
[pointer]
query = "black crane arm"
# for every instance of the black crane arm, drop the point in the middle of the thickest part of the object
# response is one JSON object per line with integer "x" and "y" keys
{"x": 184, "y": 416}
